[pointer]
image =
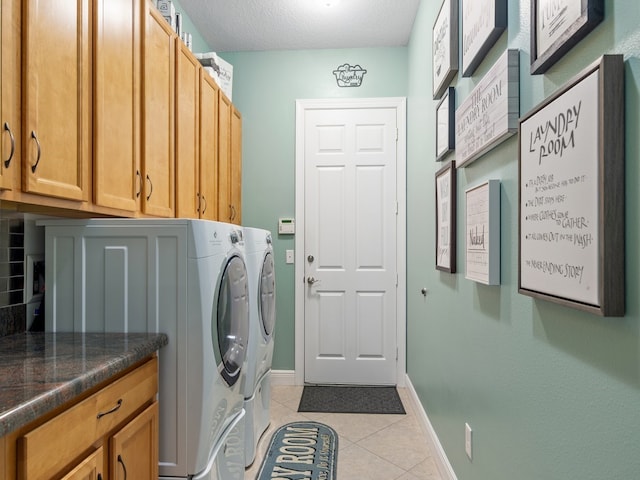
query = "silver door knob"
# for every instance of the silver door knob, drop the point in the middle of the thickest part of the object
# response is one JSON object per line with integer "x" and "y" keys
{"x": 311, "y": 280}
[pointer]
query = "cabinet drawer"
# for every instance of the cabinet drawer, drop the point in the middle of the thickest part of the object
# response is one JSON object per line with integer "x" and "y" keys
{"x": 52, "y": 446}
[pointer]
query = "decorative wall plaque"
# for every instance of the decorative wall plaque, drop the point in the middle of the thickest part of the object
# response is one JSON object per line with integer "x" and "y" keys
{"x": 571, "y": 243}
{"x": 490, "y": 112}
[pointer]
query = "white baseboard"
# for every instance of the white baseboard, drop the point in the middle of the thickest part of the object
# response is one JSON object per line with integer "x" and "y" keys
{"x": 442, "y": 462}
{"x": 283, "y": 377}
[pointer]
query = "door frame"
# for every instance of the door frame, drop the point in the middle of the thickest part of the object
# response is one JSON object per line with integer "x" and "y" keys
{"x": 400, "y": 104}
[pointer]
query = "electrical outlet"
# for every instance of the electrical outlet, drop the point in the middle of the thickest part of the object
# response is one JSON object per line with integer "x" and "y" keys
{"x": 468, "y": 436}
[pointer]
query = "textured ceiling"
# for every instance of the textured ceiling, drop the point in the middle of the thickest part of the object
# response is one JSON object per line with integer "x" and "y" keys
{"x": 242, "y": 25}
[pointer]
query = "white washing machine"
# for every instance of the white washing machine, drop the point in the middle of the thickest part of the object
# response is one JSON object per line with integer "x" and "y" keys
{"x": 188, "y": 279}
{"x": 262, "y": 308}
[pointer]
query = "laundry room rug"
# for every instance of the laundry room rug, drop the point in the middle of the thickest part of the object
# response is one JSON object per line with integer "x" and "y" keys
{"x": 305, "y": 450}
{"x": 350, "y": 399}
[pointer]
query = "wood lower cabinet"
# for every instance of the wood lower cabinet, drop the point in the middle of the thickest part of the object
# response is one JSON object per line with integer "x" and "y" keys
{"x": 158, "y": 120}
{"x": 140, "y": 435}
{"x": 89, "y": 469}
{"x": 56, "y": 96}
{"x": 102, "y": 436}
{"x": 117, "y": 173}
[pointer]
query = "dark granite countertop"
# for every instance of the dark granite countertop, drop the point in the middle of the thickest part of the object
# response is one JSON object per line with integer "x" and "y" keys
{"x": 41, "y": 371}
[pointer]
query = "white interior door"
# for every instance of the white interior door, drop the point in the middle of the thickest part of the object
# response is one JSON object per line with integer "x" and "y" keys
{"x": 350, "y": 242}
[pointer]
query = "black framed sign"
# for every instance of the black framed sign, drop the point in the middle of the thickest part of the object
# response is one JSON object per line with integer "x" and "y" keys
{"x": 571, "y": 193}
{"x": 445, "y": 118}
{"x": 446, "y": 218}
{"x": 445, "y": 47}
{"x": 557, "y": 25}
{"x": 483, "y": 21}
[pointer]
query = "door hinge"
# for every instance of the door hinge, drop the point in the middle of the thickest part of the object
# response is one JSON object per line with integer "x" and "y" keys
{"x": 396, "y": 354}
{"x": 397, "y": 279}
{"x": 396, "y": 134}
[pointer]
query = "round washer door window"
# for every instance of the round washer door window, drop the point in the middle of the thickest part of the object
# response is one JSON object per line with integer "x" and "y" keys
{"x": 233, "y": 319}
{"x": 268, "y": 295}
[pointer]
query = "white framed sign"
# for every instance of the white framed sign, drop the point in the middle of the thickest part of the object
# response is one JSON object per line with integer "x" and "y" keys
{"x": 445, "y": 47}
{"x": 445, "y": 118}
{"x": 483, "y": 233}
{"x": 490, "y": 112}
{"x": 571, "y": 207}
{"x": 446, "y": 218}
{"x": 483, "y": 21}
{"x": 557, "y": 25}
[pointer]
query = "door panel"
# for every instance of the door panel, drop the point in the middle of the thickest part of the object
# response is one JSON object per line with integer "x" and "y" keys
{"x": 350, "y": 246}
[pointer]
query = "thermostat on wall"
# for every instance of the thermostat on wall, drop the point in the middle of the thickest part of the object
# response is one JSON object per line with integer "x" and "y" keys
{"x": 286, "y": 226}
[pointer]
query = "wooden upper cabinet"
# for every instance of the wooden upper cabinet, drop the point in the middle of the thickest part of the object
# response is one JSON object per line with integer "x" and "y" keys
{"x": 116, "y": 113}
{"x": 208, "y": 147}
{"x": 10, "y": 95}
{"x": 188, "y": 203}
{"x": 236, "y": 166}
{"x": 158, "y": 93}
{"x": 56, "y": 94}
{"x": 224, "y": 158}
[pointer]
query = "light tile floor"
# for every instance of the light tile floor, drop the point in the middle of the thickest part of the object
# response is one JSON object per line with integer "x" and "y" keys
{"x": 370, "y": 447}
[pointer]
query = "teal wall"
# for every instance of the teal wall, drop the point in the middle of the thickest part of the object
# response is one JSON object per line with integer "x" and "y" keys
{"x": 199, "y": 44}
{"x": 551, "y": 393}
{"x": 265, "y": 88}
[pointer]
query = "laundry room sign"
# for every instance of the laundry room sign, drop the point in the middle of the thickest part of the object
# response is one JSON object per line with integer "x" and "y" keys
{"x": 349, "y": 75}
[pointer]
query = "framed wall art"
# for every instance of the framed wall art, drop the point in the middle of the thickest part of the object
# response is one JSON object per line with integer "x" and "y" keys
{"x": 572, "y": 200}
{"x": 483, "y": 233}
{"x": 446, "y": 218}
{"x": 489, "y": 114}
{"x": 445, "y": 118}
{"x": 483, "y": 21}
{"x": 445, "y": 47}
{"x": 558, "y": 25}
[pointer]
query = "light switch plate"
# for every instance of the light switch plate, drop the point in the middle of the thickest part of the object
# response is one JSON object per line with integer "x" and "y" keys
{"x": 289, "y": 256}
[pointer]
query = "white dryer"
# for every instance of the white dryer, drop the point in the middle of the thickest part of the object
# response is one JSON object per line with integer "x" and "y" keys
{"x": 262, "y": 307}
{"x": 188, "y": 279}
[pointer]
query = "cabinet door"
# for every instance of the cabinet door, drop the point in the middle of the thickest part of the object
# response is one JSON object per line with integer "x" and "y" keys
{"x": 224, "y": 158}
{"x": 236, "y": 166}
{"x": 116, "y": 115}
{"x": 134, "y": 449}
{"x": 187, "y": 133}
{"x": 158, "y": 91}
{"x": 56, "y": 98}
{"x": 208, "y": 147}
{"x": 10, "y": 129}
{"x": 89, "y": 469}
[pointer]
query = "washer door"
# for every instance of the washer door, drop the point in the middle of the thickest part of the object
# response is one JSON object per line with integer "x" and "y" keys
{"x": 232, "y": 319}
{"x": 268, "y": 295}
